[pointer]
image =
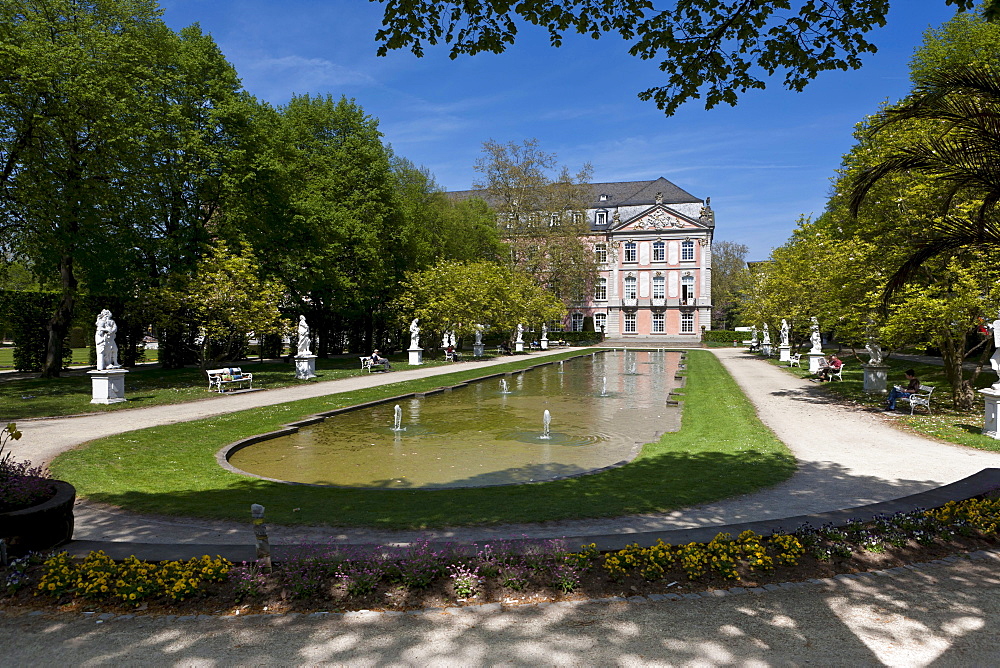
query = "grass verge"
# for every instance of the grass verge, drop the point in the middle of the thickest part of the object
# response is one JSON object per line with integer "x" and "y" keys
{"x": 172, "y": 469}
{"x": 944, "y": 423}
{"x": 70, "y": 394}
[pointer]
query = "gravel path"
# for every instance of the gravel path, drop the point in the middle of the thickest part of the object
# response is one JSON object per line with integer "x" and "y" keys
{"x": 847, "y": 457}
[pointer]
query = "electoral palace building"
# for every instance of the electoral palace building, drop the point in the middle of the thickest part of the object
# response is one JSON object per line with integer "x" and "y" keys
{"x": 653, "y": 245}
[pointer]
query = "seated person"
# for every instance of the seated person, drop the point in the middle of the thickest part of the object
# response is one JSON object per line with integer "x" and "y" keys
{"x": 378, "y": 359}
{"x": 450, "y": 352}
{"x": 831, "y": 367}
{"x": 505, "y": 348}
{"x": 896, "y": 392}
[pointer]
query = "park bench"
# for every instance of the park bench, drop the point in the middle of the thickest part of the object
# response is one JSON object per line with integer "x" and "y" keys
{"x": 451, "y": 356}
{"x": 838, "y": 374}
{"x": 219, "y": 379}
{"x": 920, "y": 398}
{"x": 367, "y": 364}
{"x": 795, "y": 360}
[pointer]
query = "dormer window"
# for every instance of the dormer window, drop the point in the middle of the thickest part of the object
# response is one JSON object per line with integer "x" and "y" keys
{"x": 603, "y": 198}
{"x": 601, "y": 218}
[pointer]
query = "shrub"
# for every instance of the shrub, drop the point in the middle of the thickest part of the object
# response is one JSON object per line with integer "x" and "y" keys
{"x": 21, "y": 485}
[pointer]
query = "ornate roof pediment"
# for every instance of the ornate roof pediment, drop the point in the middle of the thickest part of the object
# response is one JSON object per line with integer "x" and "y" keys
{"x": 657, "y": 218}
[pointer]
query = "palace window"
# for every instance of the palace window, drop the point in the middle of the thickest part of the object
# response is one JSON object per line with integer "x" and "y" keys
{"x": 659, "y": 320}
{"x": 601, "y": 218}
{"x": 687, "y": 323}
{"x": 554, "y": 220}
{"x": 687, "y": 250}
{"x": 630, "y": 323}
{"x": 630, "y": 252}
{"x": 601, "y": 289}
{"x": 687, "y": 290}
{"x": 576, "y": 322}
{"x": 630, "y": 287}
{"x": 600, "y": 321}
{"x": 659, "y": 251}
{"x": 659, "y": 287}
{"x": 601, "y": 253}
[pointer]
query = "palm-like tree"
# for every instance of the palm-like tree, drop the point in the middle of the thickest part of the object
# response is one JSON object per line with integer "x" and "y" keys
{"x": 962, "y": 151}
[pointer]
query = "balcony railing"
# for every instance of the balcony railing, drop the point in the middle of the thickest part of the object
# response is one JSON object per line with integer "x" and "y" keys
{"x": 629, "y": 301}
{"x": 658, "y": 301}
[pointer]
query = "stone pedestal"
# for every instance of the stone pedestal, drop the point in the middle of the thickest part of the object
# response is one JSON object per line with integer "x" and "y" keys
{"x": 519, "y": 346}
{"x": 876, "y": 378}
{"x": 544, "y": 344}
{"x": 815, "y": 361}
{"x": 416, "y": 356}
{"x": 765, "y": 349}
{"x": 784, "y": 353}
{"x": 991, "y": 424}
{"x": 305, "y": 367}
{"x": 108, "y": 386}
{"x": 477, "y": 349}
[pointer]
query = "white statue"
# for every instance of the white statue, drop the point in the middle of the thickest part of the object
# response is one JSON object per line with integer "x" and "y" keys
{"x": 520, "y": 333}
{"x": 995, "y": 359}
{"x": 303, "y": 337}
{"x": 784, "y": 332}
{"x": 753, "y": 339}
{"x": 817, "y": 340}
{"x": 414, "y": 334}
{"x": 545, "y": 332}
{"x": 479, "y": 335}
{"x": 767, "y": 335}
{"x": 446, "y": 339}
{"x": 104, "y": 342}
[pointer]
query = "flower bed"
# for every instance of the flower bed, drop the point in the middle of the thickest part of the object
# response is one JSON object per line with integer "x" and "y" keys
{"x": 424, "y": 575}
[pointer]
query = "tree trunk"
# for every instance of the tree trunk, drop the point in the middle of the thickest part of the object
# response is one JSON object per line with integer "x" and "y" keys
{"x": 963, "y": 396}
{"x": 61, "y": 320}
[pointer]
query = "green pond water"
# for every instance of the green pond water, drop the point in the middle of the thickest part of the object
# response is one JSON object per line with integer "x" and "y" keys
{"x": 477, "y": 435}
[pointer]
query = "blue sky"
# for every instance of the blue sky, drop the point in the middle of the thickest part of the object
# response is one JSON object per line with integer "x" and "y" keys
{"x": 764, "y": 163}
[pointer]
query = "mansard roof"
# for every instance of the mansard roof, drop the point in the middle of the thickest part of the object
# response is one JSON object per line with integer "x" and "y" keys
{"x": 622, "y": 193}
{"x": 638, "y": 193}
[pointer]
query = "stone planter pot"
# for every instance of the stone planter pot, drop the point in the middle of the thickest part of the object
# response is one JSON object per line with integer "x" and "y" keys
{"x": 42, "y": 526}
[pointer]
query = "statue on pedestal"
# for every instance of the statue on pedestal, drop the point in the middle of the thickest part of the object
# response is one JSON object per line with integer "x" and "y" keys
{"x": 767, "y": 335}
{"x": 414, "y": 334}
{"x": 545, "y": 332}
{"x": 520, "y": 333}
{"x": 815, "y": 337}
{"x": 304, "y": 341}
{"x": 874, "y": 349}
{"x": 479, "y": 335}
{"x": 104, "y": 342}
{"x": 995, "y": 359}
{"x": 784, "y": 332}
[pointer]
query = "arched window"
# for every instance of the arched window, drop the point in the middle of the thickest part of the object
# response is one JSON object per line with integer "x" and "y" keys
{"x": 601, "y": 289}
{"x": 630, "y": 287}
{"x": 659, "y": 287}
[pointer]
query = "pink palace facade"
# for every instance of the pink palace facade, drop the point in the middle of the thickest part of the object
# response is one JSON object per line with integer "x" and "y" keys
{"x": 653, "y": 243}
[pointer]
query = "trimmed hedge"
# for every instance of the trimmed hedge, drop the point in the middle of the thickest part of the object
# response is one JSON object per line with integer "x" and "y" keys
{"x": 724, "y": 335}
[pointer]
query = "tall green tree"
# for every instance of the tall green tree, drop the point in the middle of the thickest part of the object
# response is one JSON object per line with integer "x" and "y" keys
{"x": 73, "y": 106}
{"x": 541, "y": 213}
{"x": 729, "y": 268}
{"x": 708, "y": 48}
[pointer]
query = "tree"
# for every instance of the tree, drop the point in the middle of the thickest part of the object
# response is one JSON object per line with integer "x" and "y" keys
{"x": 72, "y": 108}
{"x": 728, "y": 277}
{"x": 957, "y": 112}
{"x": 719, "y": 50}
{"x": 456, "y": 297}
{"x": 542, "y": 219}
{"x": 224, "y": 300}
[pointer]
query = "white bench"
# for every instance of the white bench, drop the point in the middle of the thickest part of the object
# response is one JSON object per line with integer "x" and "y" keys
{"x": 452, "y": 356}
{"x": 836, "y": 374}
{"x": 795, "y": 360}
{"x": 920, "y": 398}
{"x": 218, "y": 379}
{"x": 367, "y": 364}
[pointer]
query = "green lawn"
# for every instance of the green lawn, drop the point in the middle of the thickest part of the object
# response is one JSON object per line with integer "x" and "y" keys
{"x": 172, "y": 469}
{"x": 71, "y": 393}
{"x": 944, "y": 423}
{"x": 80, "y": 356}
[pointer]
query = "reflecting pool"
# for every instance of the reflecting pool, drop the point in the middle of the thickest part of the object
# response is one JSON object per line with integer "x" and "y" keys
{"x": 603, "y": 407}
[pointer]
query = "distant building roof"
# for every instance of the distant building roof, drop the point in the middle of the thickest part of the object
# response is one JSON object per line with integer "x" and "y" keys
{"x": 622, "y": 193}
